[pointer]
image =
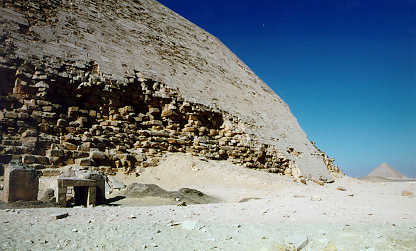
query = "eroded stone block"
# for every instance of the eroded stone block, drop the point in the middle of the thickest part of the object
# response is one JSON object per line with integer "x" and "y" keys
{"x": 20, "y": 183}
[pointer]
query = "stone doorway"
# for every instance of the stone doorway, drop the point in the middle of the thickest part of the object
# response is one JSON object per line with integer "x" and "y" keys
{"x": 84, "y": 192}
{"x": 81, "y": 196}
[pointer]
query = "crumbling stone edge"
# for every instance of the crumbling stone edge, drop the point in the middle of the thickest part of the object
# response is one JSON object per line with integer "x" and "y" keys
{"x": 55, "y": 113}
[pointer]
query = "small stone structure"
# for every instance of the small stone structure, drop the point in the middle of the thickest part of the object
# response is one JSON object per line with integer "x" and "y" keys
{"x": 85, "y": 191}
{"x": 20, "y": 183}
{"x": 83, "y": 187}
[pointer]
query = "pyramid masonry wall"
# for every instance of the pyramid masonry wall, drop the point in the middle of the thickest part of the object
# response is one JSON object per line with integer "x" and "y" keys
{"x": 118, "y": 86}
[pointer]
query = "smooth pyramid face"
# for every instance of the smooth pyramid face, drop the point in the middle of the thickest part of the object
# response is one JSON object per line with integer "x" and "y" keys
{"x": 386, "y": 171}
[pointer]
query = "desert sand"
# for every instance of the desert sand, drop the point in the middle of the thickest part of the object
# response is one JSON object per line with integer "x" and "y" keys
{"x": 252, "y": 210}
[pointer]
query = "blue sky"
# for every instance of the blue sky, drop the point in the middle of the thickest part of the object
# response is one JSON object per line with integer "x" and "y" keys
{"x": 347, "y": 69}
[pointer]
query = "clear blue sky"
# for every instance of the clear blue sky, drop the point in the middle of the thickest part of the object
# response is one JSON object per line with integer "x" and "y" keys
{"x": 346, "y": 68}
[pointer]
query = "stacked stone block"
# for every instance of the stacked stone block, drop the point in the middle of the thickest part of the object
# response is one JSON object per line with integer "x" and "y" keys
{"x": 329, "y": 162}
{"x": 68, "y": 113}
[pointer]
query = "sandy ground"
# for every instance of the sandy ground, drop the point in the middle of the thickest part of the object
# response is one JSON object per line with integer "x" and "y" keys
{"x": 255, "y": 211}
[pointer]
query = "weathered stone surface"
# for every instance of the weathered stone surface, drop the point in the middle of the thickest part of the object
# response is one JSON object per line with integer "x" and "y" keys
{"x": 55, "y": 153}
{"x": 70, "y": 146}
{"x": 407, "y": 193}
{"x": 48, "y": 195}
{"x": 11, "y": 115}
{"x": 84, "y": 162}
{"x": 20, "y": 183}
{"x": 62, "y": 122}
{"x": 319, "y": 182}
{"x": 97, "y": 155}
{"x": 79, "y": 100}
{"x": 23, "y": 115}
{"x": 58, "y": 216}
{"x": 55, "y": 161}
{"x": 341, "y": 188}
{"x": 29, "y": 141}
{"x": 28, "y": 159}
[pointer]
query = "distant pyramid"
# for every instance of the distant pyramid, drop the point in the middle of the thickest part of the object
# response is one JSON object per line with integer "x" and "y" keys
{"x": 386, "y": 171}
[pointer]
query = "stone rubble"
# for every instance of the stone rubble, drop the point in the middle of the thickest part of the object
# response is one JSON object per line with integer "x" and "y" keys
{"x": 64, "y": 113}
{"x": 58, "y": 216}
{"x": 407, "y": 193}
{"x": 341, "y": 188}
{"x": 117, "y": 93}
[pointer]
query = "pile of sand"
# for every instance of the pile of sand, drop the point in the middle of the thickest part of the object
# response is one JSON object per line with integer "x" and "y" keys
{"x": 223, "y": 180}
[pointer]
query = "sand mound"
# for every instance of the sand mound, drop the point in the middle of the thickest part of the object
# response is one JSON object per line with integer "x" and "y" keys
{"x": 186, "y": 195}
{"x": 211, "y": 177}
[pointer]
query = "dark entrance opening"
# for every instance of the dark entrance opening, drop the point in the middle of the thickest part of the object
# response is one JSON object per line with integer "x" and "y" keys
{"x": 81, "y": 196}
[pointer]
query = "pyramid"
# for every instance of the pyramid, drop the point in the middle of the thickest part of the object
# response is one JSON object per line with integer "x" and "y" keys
{"x": 386, "y": 171}
{"x": 145, "y": 51}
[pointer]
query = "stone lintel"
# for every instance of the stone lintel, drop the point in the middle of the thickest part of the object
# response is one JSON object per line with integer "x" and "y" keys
{"x": 64, "y": 182}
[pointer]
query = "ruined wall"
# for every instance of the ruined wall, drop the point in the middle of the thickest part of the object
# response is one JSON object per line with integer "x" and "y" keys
{"x": 118, "y": 85}
{"x": 65, "y": 113}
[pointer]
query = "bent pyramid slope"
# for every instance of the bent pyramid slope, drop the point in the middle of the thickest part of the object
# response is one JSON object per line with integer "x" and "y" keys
{"x": 386, "y": 171}
{"x": 145, "y": 40}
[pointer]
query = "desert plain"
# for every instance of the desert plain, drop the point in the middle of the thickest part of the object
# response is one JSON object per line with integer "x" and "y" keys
{"x": 240, "y": 209}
